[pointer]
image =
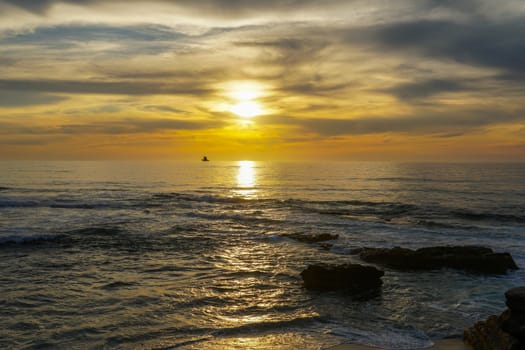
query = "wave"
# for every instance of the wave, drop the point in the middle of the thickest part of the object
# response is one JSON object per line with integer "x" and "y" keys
{"x": 98, "y": 231}
{"x": 416, "y": 214}
{"x": 15, "y": 203}
{"x": 436, "y": 224}
{"x": 57, "y": 204}
{"x": 477, "y": 216}
{"x": 2, "y": 188}
{"x": 200, "y": 198}
{"x": 388, "y": 337}
{"x": 24, "y": 239}
{"x": 118, "y": 285}
{"x": 265, "y": 326}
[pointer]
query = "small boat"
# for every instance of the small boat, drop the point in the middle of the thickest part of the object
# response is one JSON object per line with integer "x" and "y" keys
{"x": 205, "y": 159}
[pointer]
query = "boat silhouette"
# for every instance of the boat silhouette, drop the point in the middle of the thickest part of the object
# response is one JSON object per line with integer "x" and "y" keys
{"x": 205, "y": 159}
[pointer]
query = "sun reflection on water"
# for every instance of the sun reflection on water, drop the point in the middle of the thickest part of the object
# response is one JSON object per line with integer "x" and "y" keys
{"x": 254, "y": 287}
{"x": 246, "y": 179}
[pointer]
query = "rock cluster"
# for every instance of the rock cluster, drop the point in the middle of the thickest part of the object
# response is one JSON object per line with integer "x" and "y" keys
{"x": 466, "y": 258}
{"x": 504, "y": 332}
{"x": 354, "y": 278}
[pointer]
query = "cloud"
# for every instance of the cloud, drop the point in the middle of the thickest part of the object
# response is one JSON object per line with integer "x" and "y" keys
{"x": 31, "y": 5}
{"x": 313, "y": 88}
{"x": 450, "y": 122}
{"x": 29, "y": 141}
{"x": 10, "y": 98}
{"x": 133, "y": 126}
{"x": 474, "y": 42}
{"x": 217, "y": 6}
{"x": 104, "y": 87}
{"x": 91, "y": 32}
{"x": 112, "y": 127}
{"x": 426, "y": 88}
{"x": 163, "y": 109}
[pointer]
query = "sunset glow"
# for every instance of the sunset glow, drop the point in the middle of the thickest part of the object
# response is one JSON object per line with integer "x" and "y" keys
{"x": 414, "y": 80}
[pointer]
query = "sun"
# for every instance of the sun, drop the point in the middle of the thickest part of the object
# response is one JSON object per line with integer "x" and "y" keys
{"x": 243, "y": 96}
{"x": 247, "y": 109}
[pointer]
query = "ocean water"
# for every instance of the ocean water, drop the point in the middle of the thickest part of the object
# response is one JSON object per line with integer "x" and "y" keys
{"x": 170, "y": 255}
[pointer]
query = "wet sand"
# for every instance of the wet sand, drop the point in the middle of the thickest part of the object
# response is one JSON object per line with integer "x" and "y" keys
{"x": 445, "y": 344}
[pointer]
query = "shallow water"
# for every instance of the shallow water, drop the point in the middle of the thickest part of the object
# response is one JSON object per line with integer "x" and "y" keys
{"x": 193, "y": 255}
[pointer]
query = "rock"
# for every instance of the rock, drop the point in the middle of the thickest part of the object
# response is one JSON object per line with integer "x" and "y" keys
{"x": 513, "y": 323}
{"x": 504, "y": 332}
{"x": 516, "y": 299}
{"x": 488, "y": 335}
{"x": 470, "y": 259}
{"x": 356, "y": 279}
{"x": 312, "y": 238}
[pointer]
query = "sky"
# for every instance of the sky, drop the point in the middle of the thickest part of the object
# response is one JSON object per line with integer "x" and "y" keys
{"x": 404, "y": 80}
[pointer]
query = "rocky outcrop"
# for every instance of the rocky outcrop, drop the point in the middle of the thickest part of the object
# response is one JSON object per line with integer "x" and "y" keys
{"x": 488, "y": 335}
{"x": 312, "y": 238}
{"x": 467, "y": 258}
{"x": 513, "y": 319}
{"x": 504, "y": 332}
{"x": 354, "y": 278}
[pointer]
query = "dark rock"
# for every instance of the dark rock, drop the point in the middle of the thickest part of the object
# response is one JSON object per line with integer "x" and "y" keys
{"x": 504, "y": 332}
{"x": 357, "y": 279}
{"x": 470, "y": 259}
{"x": 312, "y": 238}
{"x": 488, "y": 335}
{"x": 513, "y": 323}
{"x": 516, "y": 299}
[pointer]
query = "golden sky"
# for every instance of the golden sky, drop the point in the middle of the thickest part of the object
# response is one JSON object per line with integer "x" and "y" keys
{"x": 418, "y": 80}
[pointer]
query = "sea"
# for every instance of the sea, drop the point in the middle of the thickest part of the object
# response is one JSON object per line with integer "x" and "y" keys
{"x": 198, "y": 255}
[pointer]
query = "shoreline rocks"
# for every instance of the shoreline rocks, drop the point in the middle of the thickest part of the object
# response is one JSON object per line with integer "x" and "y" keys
{"x": 354, "y": 278}
{"x": 466, "y": 258}
{"x": 503, "y": 332}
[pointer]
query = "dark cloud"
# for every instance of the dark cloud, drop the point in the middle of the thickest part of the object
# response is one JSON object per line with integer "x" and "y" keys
{"x": 69, "y": 42}
{"x": 134, "y": 126}
{"x": 30, "y": 5}
{"x": 103, "y": 109}
{"x": 475, "y": 42}
{"x": 162, "y": 108}
{"x": 315, "y": 88}
{"x": 219, "y": 7}
{"x": 29, "y": 141}
{"x": 291, "y": 52}
{"x": 103, "y": 87}
{"x": 429, "y": 122}
{"x": 113, "y": 127}
{"x": 9, "y": 98}
{"x": 76, "y": 32}
{"x": 426, "y": 88}
{"x": 285, "y": 44}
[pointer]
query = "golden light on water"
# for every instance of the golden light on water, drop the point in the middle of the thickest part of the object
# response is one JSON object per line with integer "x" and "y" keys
{"x": 246, "y": 178}
{"x": 246, "y": 174}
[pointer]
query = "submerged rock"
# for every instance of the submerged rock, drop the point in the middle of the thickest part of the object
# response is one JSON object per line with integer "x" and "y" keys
{"x": 503, "y": 332}
{"x": 466, "y": 258}
{"x": 357, "y": 279}
{"x": 312, "y": 238}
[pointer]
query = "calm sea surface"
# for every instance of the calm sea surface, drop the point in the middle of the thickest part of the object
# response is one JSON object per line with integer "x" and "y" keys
{"x": 161, "y": 255}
